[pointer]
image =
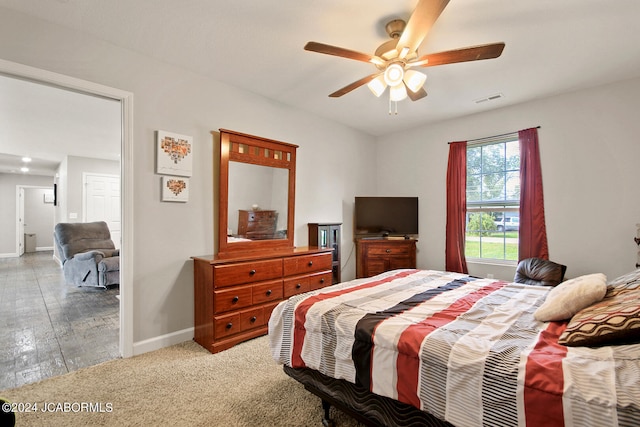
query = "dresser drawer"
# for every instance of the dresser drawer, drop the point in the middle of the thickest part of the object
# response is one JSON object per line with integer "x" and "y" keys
{"x": 310, "y": 282}
{"x": 253, "y": 318}
{"x": 296, "y": 285}
{"x": 232, "y": 299}
{"x": 245, "y": 320}
{"x": 266, "y": 292}
{"x": 388, "y": 250}
{"x": 245, "y": 272}
{"x": 320, "y": 280}
{"x": 227, "y": 325}
{"x": 253, "y": 216}
{"x": 307, "y": 263}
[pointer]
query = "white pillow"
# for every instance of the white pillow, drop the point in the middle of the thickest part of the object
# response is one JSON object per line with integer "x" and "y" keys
{"x": 571, "y": 296}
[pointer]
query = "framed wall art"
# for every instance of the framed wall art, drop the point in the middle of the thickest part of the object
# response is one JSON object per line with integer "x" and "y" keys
{"x": 175, "y": 189}
{"x": 174, "y": 154}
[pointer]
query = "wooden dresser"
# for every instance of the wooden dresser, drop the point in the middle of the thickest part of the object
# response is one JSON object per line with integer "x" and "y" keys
{"x": 257, "y": 225}
{"x": 234, "y": 296}
{"x": 375, "y": 256}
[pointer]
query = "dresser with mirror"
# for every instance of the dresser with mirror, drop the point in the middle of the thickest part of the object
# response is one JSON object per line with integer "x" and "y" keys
{"x": 256, "y": 265}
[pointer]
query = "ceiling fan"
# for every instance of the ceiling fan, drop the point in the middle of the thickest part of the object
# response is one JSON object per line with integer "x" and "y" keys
{"x": 397, "y": 58}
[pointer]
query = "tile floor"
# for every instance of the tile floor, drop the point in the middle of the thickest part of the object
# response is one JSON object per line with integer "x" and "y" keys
{"x": 49, "y": 328}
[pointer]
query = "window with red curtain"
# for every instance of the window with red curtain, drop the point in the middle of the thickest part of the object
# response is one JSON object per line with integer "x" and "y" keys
{"x": 456, "y": 208}
{"x": 533, "y": 229}
{"x": 495, "y": 194}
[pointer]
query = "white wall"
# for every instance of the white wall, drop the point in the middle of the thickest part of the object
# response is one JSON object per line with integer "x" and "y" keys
{"x": 166, "y": 235}
{"x": 589, "y": 151}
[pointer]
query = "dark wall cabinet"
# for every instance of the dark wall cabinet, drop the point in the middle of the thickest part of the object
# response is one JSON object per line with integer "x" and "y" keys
{"x": 327, "y": 235}
{"x": 375, "y": 256}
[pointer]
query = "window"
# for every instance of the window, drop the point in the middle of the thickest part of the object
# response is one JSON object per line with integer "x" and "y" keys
{"x": 493, "y": 200}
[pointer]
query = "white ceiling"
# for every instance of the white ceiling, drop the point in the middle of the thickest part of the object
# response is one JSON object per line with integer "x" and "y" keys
{"x": 46, "y": 124}
{"x": 551, "y": 47}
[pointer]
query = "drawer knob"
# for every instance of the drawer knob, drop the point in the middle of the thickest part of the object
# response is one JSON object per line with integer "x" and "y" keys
{"x": 269, "y": 292}
{"x": 322, "y": 280}
{"x": 252, "y": 272}
{"x": 235, "y": 299}
{"x": 310, "y": 263}
{"x": 298, "y": 286}
{"x": 253, "y": 319}
{"x": 388, "y": 251}
{"x": 229, "y": 325}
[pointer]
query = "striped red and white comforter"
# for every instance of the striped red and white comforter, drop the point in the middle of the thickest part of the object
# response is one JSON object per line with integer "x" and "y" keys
{"x": 466, "y": 350}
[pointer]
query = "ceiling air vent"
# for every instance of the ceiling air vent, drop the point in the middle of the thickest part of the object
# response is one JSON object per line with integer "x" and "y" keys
{"x": 489, "y": 98}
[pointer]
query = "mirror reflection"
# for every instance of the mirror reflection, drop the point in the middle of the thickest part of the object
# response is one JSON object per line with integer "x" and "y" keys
{"x": 257, "y": 202}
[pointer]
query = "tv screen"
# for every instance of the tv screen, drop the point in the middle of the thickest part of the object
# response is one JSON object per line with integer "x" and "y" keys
{"x": 386, "y": 216}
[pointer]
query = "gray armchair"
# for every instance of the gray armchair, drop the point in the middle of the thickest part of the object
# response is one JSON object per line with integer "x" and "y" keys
{"x": 88, "y": 255}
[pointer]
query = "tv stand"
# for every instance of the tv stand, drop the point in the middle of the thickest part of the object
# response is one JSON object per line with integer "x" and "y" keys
{"x": 377, "y": 255}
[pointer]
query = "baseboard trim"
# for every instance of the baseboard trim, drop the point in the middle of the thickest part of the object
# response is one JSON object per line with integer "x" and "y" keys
{"x": 15, "y": 254}
{"x": 162, "y": 341}
{"x": 9, "y": 255}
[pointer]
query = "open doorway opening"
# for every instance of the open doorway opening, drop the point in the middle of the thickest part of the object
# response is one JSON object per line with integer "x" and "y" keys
{"x": 35, "y": 218}
{"x": 68, "y": 201}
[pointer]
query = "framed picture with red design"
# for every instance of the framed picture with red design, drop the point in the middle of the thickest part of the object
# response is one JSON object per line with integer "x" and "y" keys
{"x": 174, "y": 154}
{"x": 175, "y": 189}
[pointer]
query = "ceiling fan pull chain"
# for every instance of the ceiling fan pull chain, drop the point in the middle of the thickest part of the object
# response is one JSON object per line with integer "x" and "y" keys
{"x": 396, "y": 107}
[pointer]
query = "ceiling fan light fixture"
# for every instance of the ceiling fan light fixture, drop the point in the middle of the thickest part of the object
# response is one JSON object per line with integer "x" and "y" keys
{"x": 393, "y": 74}
{"x": 377, "y": 85}
{"x": 378, "y": 62}
{"x": 414, "y": 80}
{"x": 397, "y": 92}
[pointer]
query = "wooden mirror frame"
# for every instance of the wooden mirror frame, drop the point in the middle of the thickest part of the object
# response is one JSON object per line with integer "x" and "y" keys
{"x": 243, "y": 148}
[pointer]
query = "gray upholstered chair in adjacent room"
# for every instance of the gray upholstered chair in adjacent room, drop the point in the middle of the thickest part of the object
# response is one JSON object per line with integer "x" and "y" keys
{"x": 88, "y": 255}
{"x": 537, "y": 271}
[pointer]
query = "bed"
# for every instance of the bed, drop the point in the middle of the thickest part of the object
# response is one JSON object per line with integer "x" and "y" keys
{"x": 423, "y": 347}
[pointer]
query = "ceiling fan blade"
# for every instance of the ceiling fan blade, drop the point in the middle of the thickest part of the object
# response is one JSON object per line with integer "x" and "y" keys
{"x": 342, "y": 52}
{"x": 354, "y": 85}
{"x": 414, "y": 96}
{"x": 474, "y": 53}
{"x": 422, "y": 19}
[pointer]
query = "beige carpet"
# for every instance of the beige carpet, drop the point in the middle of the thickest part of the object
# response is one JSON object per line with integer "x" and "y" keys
{"x": 182, "y": 385}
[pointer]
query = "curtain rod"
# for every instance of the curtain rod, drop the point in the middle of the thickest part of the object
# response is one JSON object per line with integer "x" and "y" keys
{"x": 491, "y": 137}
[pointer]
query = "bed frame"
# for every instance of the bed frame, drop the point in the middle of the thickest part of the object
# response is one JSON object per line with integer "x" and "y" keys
{"x": 368, "y": 408}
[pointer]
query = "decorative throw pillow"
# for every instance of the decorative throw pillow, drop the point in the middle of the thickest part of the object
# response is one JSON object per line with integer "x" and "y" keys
{"x": 571, "y": 296}
{"x": 624, "y": 283}
{"x": 613, "y": 321}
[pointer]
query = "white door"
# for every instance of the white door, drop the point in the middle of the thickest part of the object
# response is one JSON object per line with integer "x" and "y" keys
{"x": 102, "y": 202}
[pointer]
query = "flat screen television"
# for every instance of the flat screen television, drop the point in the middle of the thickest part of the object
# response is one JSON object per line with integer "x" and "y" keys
{"x": 386, "y": 216}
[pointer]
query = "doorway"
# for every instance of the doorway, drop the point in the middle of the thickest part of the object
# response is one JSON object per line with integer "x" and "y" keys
{"x": 125, "y": 99}
{"x": 34, "y": 219}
